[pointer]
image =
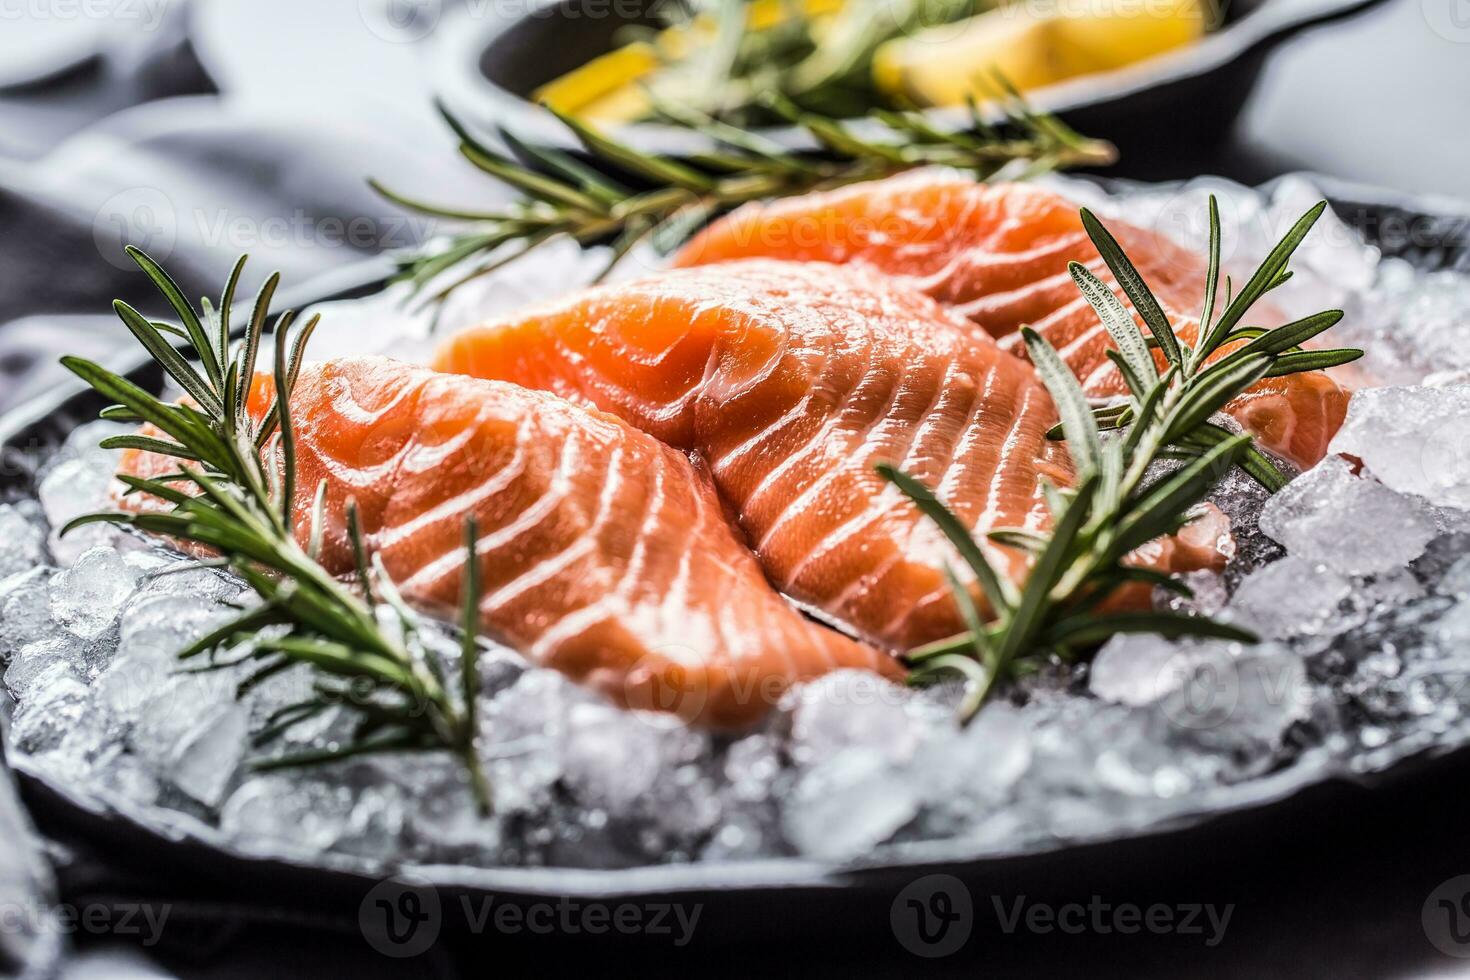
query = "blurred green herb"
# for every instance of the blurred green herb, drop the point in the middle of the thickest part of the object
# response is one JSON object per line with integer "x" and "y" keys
{"x": 820, "y": 63}
{"x": 663, "y": 199}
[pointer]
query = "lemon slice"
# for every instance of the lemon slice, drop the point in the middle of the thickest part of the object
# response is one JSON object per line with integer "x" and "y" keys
{"x": 1032, "y": 43}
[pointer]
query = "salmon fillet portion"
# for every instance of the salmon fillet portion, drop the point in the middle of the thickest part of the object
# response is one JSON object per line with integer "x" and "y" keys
{"x": 793, "y": 381}
{"x": 603, "y": 553}
{"x": 997, "y": 254}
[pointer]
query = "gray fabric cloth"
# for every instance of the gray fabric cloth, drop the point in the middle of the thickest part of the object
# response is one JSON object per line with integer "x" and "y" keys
{"x": 183, "y": 130}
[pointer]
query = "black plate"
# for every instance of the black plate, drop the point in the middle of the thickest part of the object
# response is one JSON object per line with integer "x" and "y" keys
{"x": 1164, "y": 114}
{"x": 1247, "y": 852}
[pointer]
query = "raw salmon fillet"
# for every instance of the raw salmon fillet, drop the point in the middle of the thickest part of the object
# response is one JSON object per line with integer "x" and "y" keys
{"x": 998, "y": 254}
{"x": 603, "y": 553}
{"x": 792, "y": 381}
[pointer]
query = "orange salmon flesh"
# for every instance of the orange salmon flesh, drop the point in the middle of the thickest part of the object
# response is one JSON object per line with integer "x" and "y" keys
{"x": 997, "y": 254}
{"x": 603, "y": 553}
{"x": 792, "y": 381}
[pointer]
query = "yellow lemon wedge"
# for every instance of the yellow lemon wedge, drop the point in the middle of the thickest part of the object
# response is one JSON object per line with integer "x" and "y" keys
{"x": 603, "y": 88}
{"x": 1032, "y": 43}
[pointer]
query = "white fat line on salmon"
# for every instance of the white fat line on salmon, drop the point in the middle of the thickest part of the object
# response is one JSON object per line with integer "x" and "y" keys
{"x": 1124, "y": 918}
{"x": 567, "y": 916}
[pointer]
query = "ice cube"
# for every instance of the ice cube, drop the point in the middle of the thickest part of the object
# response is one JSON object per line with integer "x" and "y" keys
{"x": 739, "y": 837}
{"x": 1136, "y": 669}
{"x": 129, "y": 682}
{"x": 56, "y": 702}
{"x": 204, "y": 759}
{"x": 25, "y": 612}
{"x": 611, "y": 758}
{"x": 174, "y": 710}
{"x": 375, "y": 827}
{"x": 296, "y": 813}
{"x": 70, "y": 489}
{"x": 443, "y": 820}
{"x": 166, "y": 573}
{"x": 848, "y": 804}
{"x": 1415, "y": 440}
{"x": 1293, "y": 596}
{"x": 1350, "y": 523}
{"x": 983, "y": 760}
{"x": 82, "y": 444}
{"x": 165, "y": 623}
{"x": 1242, "y": 709}
{"x": 38, "y": 655}
{"x": 685, "y": 802}
{"x": 1391, "y": 589}
{"x": 522, "y": 737}
{"x": 104, "y": 769}
{"x": 751, "y": 764}
{"x": 87, "y": 597}
{"x": 22, "y": 540}
{"x": 1411, "y": 324}
{"x": 848, "y": 708}
{"x": 1209, "y": 594}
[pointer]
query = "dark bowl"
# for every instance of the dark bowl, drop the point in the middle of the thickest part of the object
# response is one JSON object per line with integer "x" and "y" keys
{"x": 1327, "y": 850}
{"x": 1163, "y": 114}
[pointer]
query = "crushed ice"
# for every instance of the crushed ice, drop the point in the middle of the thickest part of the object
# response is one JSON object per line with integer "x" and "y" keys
{"x": 1357, "y": 577}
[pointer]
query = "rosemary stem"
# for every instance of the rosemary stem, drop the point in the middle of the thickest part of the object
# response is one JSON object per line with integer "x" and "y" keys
{"x": 479, "y": 784}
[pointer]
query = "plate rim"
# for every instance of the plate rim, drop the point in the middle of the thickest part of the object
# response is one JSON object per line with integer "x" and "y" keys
{"x": 464, "y": 35}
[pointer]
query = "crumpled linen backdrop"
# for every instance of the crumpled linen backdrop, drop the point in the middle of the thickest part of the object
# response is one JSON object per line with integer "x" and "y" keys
{"x": 186, "y": 129}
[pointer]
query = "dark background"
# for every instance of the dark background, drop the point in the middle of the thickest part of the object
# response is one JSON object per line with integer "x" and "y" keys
{"x": 247, "y": 125}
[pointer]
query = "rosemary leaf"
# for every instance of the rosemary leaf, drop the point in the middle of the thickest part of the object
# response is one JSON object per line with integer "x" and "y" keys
{"x": 1132, "y": 282}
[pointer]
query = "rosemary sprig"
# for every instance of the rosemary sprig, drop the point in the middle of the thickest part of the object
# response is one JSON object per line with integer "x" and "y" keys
{"x": 228, "y": 499}
{"x": 1272, "y": 353}
{"x": 1117, "y": 504}
{"x": 823, "y": 63}
{"x": 663, "y": 199}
